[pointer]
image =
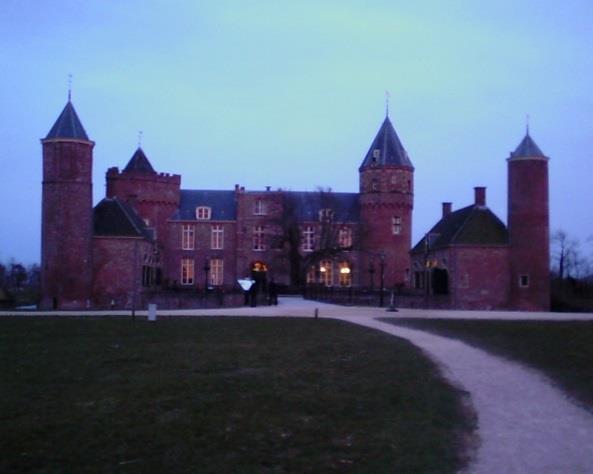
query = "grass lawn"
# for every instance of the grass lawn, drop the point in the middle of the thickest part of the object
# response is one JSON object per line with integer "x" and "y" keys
{"x": 563, "y": 350}
{"x": 221, "y": 395}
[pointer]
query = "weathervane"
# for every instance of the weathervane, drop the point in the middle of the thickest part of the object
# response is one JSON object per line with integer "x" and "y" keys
{"x": 139, "y": 138}
{"x": 69, "y": 87}
{"x": 527, "y": 124}
{"x": 387, "y": 95}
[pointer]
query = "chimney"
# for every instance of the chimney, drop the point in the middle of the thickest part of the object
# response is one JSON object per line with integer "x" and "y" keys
{"x": 236, "y": 187}
{"x": 446, "y": 209}
{"x": 480, "y": 196}
{"x": 268, "y": 188}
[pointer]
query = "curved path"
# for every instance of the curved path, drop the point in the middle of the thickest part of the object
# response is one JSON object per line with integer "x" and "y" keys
{"x": 525, "y": 424}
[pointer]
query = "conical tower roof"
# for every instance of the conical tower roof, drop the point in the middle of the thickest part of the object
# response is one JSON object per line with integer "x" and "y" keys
{"x": 68, "y": 125}
{"x": 386, "y": 149}
{"x": 139, "y": 163}
{"x": 527, "y": 149}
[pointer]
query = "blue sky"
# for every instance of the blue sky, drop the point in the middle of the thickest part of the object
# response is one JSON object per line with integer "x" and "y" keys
{"x": 291, "y": 94}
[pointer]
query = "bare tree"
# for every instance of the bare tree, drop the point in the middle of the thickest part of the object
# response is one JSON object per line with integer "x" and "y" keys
{"x": 565, "y": 254}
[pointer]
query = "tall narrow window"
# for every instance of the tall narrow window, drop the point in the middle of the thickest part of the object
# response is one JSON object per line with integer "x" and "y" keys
{"x": 345, "y": 237}
{"x": 187, "y": 236}
{"x": 258, "y": 238}
{"x": 308, "y": 239}
{"x": 396, "y": 225}
{"x": 187, "y": 271}
{"x": 326, "y": 276}
{"x": 311, "y": 274}
{"x": 217, "y": 237}
{"x": 345, "y": 274}
{"x": 259, "y": 208}
{"x": 216, "y": 271}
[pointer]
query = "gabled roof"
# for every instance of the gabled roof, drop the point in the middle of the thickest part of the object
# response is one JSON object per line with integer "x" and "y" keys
{"x": 222, "y": 203}
{"x": 114, "y": 218}
{"x": 390, "y": 149}
{"x": 527, "y": 149}
{"x": 139, "y": 163}
{"x": 68, "y": 125}
{"x": 472, "y": 225}
{"x": 308, "y": 204}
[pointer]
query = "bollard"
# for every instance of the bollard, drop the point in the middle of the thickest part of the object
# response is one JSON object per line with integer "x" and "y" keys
{"x": 316, "y": 313}
{"x": 152, "y": 312}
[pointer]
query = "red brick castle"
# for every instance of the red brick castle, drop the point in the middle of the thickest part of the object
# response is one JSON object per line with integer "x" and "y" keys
{"x": 148, "y": 237}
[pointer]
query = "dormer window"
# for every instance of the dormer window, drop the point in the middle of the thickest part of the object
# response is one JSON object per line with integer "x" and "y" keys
{"x": 376, "y": 154}
{"x": 259, "y": 208}
{"x": 326, "y": 215}
{"x": 203, "y": 213}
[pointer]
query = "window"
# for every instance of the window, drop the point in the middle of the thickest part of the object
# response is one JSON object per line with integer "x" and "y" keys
{"x": 376, "y": 153}
{"x": 258, "y": 238}
{"x": 326, "y": 215}
{"x": 308, "y": 239}
{"x": 187, "y": 236}
{"x": 259, "y": 208}
{"x": 345, "y": 237}
{"x": 216, "y": 271}
{"x": 374, "y": 185}
{"x": 311, "y": 274}
{"x": 325, "y": 272}
{"x": 524, "y": 281}
{"x": 217, "y": 237}
{"x": 187, "y": 271}
{"x": 394, "y": 179}
{"x": 345, "y": 274}
{"x": 396, "y": 225}
{"x": 203, "y": 213}
{"x": 419, "y": 280}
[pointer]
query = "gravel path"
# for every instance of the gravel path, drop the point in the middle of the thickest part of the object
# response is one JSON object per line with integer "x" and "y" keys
{"x": 525, "y": 424}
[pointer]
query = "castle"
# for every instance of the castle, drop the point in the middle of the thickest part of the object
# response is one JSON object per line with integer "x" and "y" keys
{"x": 149, "y": 236}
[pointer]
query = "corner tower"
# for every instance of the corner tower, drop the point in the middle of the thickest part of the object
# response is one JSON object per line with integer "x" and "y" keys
{"x": 528, "y": 223}
{"x": 386, "y": 202}
{"x": 66, "y": 219}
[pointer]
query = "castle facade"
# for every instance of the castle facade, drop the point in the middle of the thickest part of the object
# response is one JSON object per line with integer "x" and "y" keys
{"x": 149, "y": 236}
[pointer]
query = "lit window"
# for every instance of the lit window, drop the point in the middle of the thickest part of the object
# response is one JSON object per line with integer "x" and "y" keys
{"x": 308, "y": 239}
{"x": 258, "y": 238}
{"x": 396, "y": 225}
{"x": 326, "y": 215}
{"x": 524, "y": 281}
{"x": 216, "y": 271}
{"x": 217, "y": 237}
{"x": 345, "y": 237}
{"x": 187, "y": 271}
{"x": 325, "y": 272}
{"x": 345, "y": 274}
{"x": 187, "y": 237}
{"x": 260, "y": 207}
{"x": 203, "y": 213}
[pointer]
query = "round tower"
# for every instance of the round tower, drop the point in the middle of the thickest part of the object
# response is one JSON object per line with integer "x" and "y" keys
{"x": 386, "y": 202}
{"x": 67, "y": 219}
{"x": 528, "y": 223}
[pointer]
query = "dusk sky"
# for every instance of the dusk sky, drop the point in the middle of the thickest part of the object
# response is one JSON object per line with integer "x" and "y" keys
{"x": 291, "y": 94}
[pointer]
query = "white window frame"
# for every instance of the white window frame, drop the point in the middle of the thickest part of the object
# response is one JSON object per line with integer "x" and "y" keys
{"x": 188, "y": 237}
{"x": 216, "y": 276}
{"x": 345, "y": 237}
{"x": 258, "y": 238}
{"x": 326, "y": 215}
{"x": 396, "y": 225}
{"x": 309, "y": 239}
{"x": 526, "y": 284}
{"x": 259, "y": 207}
{"x": 203, "y": 213}
{"x": 345, "y": 274}
{"x": 188, "y": 275}
{"x": 217, "y": 237}
{"x": 326, "y": 274}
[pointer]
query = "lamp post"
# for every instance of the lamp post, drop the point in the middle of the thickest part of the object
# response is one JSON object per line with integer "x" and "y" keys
{"x": 382, "y": 266}
{"x": 322, "y": 271}
{"x": 372, "y": 275}
{"x": 206, "y": 270}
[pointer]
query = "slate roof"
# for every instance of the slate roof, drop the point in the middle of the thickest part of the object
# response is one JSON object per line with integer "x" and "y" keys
{"x": 472, "y": 225}
{"x": 391, "y": 149}
{"x": 139, "y": 163}
{"x": 114, "y": 218}
{"x": 308, "y": 204}
{"x": 527, "y": 149}
{"x": 68, "y": 125}
{"x": 222, "y": 203}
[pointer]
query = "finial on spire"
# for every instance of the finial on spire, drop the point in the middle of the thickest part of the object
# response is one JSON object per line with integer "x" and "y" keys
{"x": 69, "y": 87}
{"x": 387, "y": 95}
{"x": 139, "y": 138}
{"x": 527, "y": 124}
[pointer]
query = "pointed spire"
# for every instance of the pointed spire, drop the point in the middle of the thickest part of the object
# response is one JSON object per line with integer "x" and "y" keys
{"x": 68, "y": 125}
{"x": 527, "y": 148}
{"x": 139, "y": 163}
{"x": 386, "y": 149}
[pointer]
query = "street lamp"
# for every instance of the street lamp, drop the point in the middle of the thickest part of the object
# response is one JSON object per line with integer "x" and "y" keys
{"x": 372, "y": 275}
{"x": 382, "y": 265}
